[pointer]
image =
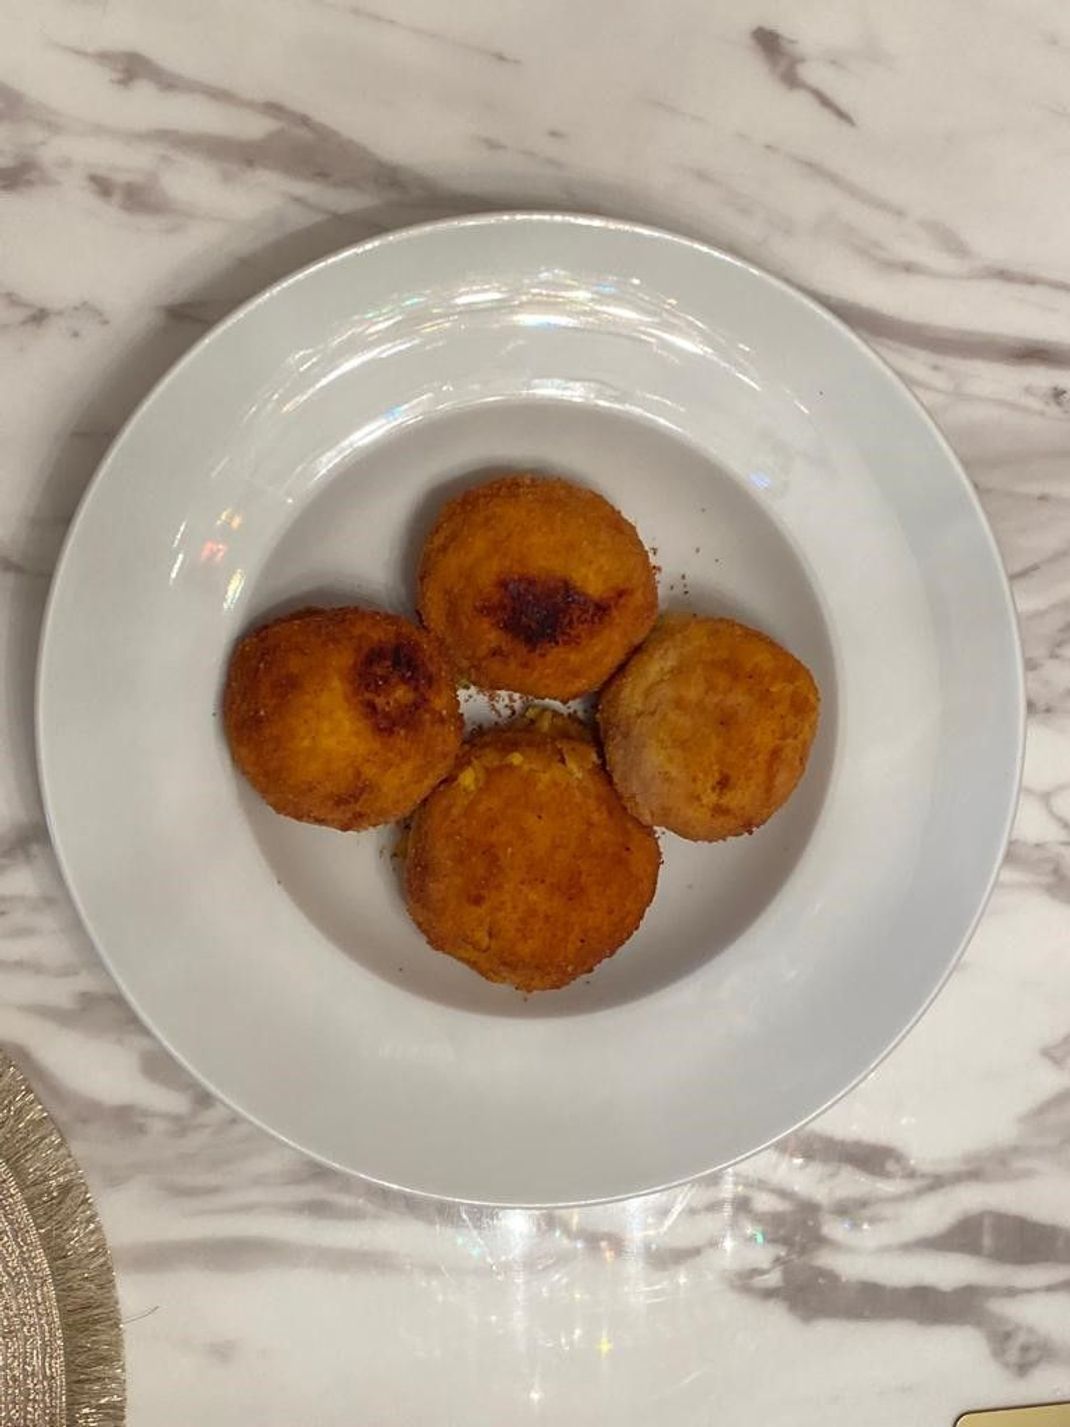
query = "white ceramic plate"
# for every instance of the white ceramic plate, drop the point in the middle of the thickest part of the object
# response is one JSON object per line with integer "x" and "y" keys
{"x": 783, "y": 475}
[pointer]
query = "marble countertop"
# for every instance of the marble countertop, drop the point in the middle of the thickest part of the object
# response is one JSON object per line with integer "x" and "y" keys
{"x": 907, "y": 1256}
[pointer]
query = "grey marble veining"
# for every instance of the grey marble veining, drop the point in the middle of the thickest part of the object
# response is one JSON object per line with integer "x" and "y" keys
{"x": 908, "y": 1256}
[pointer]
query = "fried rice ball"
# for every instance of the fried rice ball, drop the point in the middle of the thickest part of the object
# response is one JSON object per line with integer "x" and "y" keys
{"x": 708, "y": 727}
{"x": 524, "y": 863}
{"x": 536, "y": 585}
{"x": 346, "y": 717}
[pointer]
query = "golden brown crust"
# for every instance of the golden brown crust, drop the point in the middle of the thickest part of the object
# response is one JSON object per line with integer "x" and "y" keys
{"x": 708, "y": 727}
{"x": 346, "y": 717}
{"x": 524, "y": 863}
{"x": 536, "y": 585}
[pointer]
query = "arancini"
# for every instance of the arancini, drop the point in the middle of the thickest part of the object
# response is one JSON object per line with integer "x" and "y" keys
{"x": 524, "y": 862}
{"x": 537, "y": 585}
{"x": 708, "y": 727}
{"x": 346, "y": 717}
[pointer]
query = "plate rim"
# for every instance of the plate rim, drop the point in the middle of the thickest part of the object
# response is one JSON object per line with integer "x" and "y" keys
{"x": 577, "y": 219}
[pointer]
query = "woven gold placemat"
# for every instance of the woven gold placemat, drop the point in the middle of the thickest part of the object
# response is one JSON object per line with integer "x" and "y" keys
{"x": 61, "y": 1350}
